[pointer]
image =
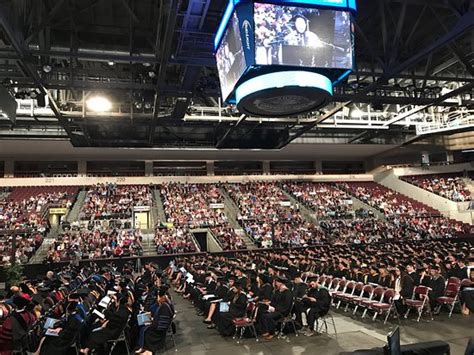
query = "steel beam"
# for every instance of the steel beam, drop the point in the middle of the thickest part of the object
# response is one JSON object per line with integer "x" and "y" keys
{"x": 18, "y": 43}
{"x": 165, "y": 52}
{"x": 465, "y": 23}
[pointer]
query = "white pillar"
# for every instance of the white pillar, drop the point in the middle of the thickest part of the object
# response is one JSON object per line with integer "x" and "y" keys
{"x": 81, "y": 168}
{"x": 148, "y": 168}
{"x": 266, "y": 167}
{"x": 318, "y": 167}
{"x": 210, "y": 167}
{"x": 9, "y": 168}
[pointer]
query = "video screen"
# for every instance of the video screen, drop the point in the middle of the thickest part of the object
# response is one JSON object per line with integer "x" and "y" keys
{"x": 298, "y": 36}
{"x": 230, "y": 57}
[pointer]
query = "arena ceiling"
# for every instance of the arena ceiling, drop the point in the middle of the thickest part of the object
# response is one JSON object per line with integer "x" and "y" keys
{"x": 154, "y": 60}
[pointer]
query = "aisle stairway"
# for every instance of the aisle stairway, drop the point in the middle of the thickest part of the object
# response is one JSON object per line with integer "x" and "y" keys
{"x": 148, "y": 243}
{"x": 43, "y": 249}
{"x": 307, "y": 213}
{"x": 161, "y": 216}
{"x": 76, "y": 208}
{"x": 232, "y": 210}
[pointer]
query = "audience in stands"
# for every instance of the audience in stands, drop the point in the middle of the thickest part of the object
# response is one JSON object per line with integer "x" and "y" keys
{"x": 23, "y": 213}
{"x": 449, "y": 186}
{"x": 228, "y": 238}
{"x": 105, "y": 201}
{"x": 402, "y": 210}
{"x": 192, "y": 204}
{"x": 199, "y": 206}
{"x": 95, "y": 244}
{"x": 174, "y": 240}
{"x": 322, "y": 198}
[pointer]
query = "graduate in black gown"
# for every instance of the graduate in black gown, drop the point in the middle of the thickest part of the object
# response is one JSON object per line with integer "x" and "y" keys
{"x": 279, "y": 307}
{"x": 152, "y": 337}
{"x": 67, "y": 332}
{"x": 237, "y": 308}
{"x": 117, "y": 316}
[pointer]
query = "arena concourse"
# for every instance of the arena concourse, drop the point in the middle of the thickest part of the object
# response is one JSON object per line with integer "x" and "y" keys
{"x": 160, "y": 194}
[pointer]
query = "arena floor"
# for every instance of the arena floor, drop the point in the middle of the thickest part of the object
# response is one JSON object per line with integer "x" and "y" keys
{"x": 353, "y": 333}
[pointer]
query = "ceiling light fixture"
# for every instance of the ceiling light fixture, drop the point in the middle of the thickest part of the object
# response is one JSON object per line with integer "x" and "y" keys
{"x": 47, "y": 68}
{"x": 99, "y": 104}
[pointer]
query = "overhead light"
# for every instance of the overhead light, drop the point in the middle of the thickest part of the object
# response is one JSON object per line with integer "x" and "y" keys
{"x": 146, "y": 65}
{"x": 99, "y": 104}
{"x": 151, "y": 74}
{"x": 138, "y": 105}
{"x": 147, "y": 105}
{"x": 356, "y": 113}
{"x": 111, "y": 63}
{"x": 47, "y": 68}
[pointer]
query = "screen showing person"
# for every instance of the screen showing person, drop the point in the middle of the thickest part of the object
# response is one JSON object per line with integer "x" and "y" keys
{"x": 296, "y": 36}
{"x": 230, "y": 57}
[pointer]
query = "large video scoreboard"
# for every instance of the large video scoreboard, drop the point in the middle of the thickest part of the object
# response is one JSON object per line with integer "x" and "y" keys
{"x": 257, "y": 38}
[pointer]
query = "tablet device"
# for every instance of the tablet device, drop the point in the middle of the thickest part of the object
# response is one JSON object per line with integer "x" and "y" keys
{"x": 223, "y": 307}
{"x": 143, "y": 318}
{"x": 50, "y": 322}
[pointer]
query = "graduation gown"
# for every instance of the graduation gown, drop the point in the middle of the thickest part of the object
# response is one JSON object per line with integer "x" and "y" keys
{"x": 237, "y": 309}
{"x": 62, "y": 343}
{"x": 155, "y": 334}
{"x": 117, "y": 322}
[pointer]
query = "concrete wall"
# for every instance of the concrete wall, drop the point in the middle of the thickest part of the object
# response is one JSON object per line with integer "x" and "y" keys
{"x": 83, "y": 181}
{"x": 212, "y": 244}
{"x": 434, "y": 169}
{"x": 455, "y": 210}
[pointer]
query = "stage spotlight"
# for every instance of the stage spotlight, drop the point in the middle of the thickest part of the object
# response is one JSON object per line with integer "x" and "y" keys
{"x": 47, "y": 68}
{"x": 147, "y": 105}
{"x": 99, "y": 104}
{"x": 33, "y": 94}
{"x": 151, "y": 74}
{"x": 138, "y": 105}
{"x": 20, "y": 95}
{"x": 111, "y": 63}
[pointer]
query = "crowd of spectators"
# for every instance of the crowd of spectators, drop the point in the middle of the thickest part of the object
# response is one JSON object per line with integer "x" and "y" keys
{"x": 325, "y": 200}
{"x": 198, "y": 206}
{"x": 22, "y": 213}
{"x": 174, "y": 240}
{"x": 263, "y": 202}
{"x": 449, "y": 186}
{"x": 104, "y": 201}
{"x": 75, "y": 245}
{"x": 386, "y": 200}
{"x": 228, "y": 238}
{"x": 191, "y": 204}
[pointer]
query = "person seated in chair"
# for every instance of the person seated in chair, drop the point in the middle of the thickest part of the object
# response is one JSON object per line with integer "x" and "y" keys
{"x": 116, "y": 318}
{"x": 437, "y": 285}
{"x": 152, "y": 337}
{"x": 64, "y": 334}
{"x": 318, "y": 302}
{"x": 279, "y": 307}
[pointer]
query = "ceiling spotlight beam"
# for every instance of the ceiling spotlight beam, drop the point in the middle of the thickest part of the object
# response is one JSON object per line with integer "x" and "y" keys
{"x": 17, "y": 41}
